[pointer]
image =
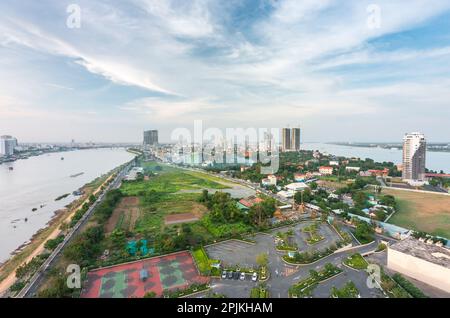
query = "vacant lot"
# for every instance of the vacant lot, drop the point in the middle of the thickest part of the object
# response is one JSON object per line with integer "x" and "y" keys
{"x": 125, "y": 215}
{"x": 426, "y": 212}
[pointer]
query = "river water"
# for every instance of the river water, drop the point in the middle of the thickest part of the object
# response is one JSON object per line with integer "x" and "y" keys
{"x": 435, "y": 160}
{"x": 38, "y": 181}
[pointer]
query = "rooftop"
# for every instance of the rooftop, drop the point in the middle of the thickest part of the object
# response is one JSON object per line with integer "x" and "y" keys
{"x": 428, "y": 252}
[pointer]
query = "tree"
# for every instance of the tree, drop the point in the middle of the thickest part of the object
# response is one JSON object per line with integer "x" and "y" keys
{"x": 314, "y": 274}
{"x": 364, "y": 232}
{"x": 205, "y": 196}
{"x": 360, "y": 200}
{"x": 304, "y": 196}
{"x": 262, "y": 259}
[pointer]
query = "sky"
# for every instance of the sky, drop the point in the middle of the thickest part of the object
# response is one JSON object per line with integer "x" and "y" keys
{"x": 341, "y": 70}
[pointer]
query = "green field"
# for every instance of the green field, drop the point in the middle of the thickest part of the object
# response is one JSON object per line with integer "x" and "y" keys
{"x": 171, "y": 180}
{"x": 425, "y": 212}
{"x": 162, "y": 194}
{"x": 153, "y": 212}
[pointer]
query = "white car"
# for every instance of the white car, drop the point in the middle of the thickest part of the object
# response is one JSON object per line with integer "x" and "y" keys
{"x": 254, "y": 277}
{"x": 242, "y": 276}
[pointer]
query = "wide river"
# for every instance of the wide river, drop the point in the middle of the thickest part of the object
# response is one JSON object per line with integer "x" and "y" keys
{"x": 38, "y": 181}
{"x": 435, "y": 160}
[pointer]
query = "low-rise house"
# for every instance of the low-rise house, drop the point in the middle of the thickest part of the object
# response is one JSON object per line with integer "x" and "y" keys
{"x": 365, "y": 174}
{"x": 301, "y": 177}
{"x": 337, "y": 211}
{"x": 326, "y": 170}
{"x": 350, "y": 168}
{"x": 379, "y": 173}
{"x": 333, "y": 196}
{"x": 249, "y": 202}
{"x": 334, "y": 163}
{"x": 271, "y": 180}
{"x": 286, "y": 194}
{"x": 297, "y": 186}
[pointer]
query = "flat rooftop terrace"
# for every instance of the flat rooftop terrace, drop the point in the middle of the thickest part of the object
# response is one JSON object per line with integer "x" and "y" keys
{"x": 428, "y": 252}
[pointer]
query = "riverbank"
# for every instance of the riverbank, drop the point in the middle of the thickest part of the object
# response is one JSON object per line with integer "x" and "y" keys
{"x": 438, "y": 147}
{"x": 436, "y": 160}
{"x": 37, "y": 243}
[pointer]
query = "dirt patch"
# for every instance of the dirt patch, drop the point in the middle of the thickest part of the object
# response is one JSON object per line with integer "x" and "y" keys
{"x": 199, "y": 210}
{"x": 124, "y": 215}
{"x": 180, "y": 218}
{"x": 330, "y": 184}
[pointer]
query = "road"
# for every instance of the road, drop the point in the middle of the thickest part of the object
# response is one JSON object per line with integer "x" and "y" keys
{"x": 32, "y": 286}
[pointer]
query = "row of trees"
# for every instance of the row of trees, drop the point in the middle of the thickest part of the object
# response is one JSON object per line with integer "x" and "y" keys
{"x": 224, "y": 209}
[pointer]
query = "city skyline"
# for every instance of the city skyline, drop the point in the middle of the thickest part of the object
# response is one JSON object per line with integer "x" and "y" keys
{"x": 284, "y": 62}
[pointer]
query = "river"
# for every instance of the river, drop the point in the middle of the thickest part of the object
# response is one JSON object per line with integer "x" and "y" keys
{"x": 435, "y": 160}
{"x": 38, "y": 181}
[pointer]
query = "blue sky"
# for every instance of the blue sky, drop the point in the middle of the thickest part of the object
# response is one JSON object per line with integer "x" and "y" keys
{"x": 145, "y": 64}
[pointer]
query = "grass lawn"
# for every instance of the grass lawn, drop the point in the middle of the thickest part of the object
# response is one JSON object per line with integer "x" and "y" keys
{"x": 153, "y": 213}
{"x": 170, "y": 181}
{"x": 203, "y": 261}
{"x": 425, "y": 212}
{"x": 259, "y": 292}
{"x": 356, "y": 261}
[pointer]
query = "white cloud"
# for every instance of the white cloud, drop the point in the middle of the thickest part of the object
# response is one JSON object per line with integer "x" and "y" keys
{"x": 279, "y": 68}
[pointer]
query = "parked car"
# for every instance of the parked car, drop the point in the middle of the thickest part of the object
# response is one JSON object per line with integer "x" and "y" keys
{"x": 224, "y": 274}
{"x": 236, "y": 275}
{"x": 254, "y": 277}
{"x": 242, "y": 276}
{"x": 230, "y": 275}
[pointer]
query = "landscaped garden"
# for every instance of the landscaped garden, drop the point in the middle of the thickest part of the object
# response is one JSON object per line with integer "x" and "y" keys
{"x": 205, "y": 265}
{"x": 314, "y": 237}
{"x": 304, "y": 258}
{"x": 392, "y": 289}
{"x": 356, "y": 261}
{"x": 304, "y": 288}
{"x": 259, "y": 292}
{"x": 408, "y": 286}
{"x": 285, "y": 241}
{"x": 348, "y": 291}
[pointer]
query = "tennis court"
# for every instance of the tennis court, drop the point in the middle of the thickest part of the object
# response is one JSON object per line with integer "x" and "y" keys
{"x": 135, "y": 279}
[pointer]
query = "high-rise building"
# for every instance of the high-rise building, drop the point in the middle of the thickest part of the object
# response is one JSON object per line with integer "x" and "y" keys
{"x": 151, "y": 138}
{"x": 290, "y": 139}
{"x": 285, "y": 139}
{"x": 295, "y": 144}
{"x": 414, "y": 153}
{"x": 7, "y": 145}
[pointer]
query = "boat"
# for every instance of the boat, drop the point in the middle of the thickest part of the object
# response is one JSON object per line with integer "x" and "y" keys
{"x": 11, "y": 168}
{"x": 77, "y": 175}
{"x": 62, "y": 158}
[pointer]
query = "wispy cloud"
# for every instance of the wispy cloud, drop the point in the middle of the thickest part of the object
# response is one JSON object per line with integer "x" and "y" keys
{"x": 234, "y": 62}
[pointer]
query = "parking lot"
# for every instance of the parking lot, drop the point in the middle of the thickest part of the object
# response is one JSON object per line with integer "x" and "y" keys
{"x": 300, "y": 237}
{"x": 239, "y": 253}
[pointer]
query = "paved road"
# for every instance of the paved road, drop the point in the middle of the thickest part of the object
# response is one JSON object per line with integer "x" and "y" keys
{"x": 30, "y": 289}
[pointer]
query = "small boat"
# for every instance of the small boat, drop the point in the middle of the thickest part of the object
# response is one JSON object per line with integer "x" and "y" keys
{"x": 26, "y": 219}
{"x": 62, "y": 158}
{"x": 34, "y": 209}
{"x": 11, "y": 168}
{"x": 77, "y": 175}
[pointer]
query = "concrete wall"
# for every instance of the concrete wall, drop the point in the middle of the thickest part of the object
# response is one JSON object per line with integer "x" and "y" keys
{"x": 430, "y": 273}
